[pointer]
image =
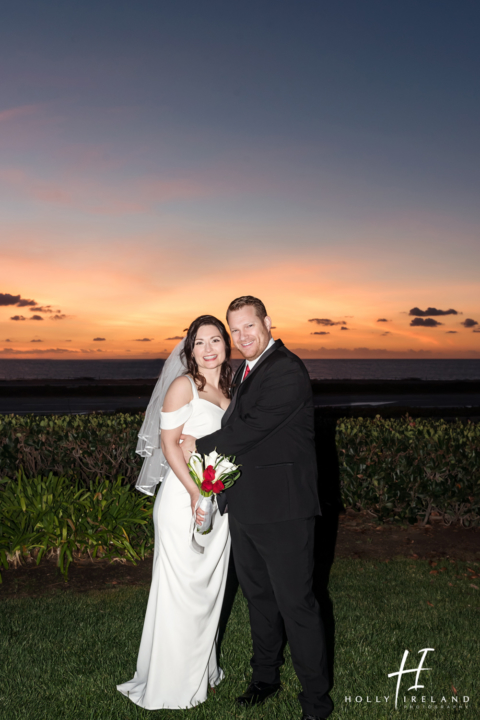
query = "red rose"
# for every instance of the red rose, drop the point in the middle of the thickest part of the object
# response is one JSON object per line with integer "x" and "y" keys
{"x": 218, "y": 487}
{"x": 209, "y": 473}
{"x": 207, "y": 485}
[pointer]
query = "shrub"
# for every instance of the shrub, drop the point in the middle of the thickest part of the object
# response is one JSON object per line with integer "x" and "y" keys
{"x": 54, "y": 516}
{"x": 66, "y": 480}
{"x": 75, "y": 446}
{"x": 405, "y": 469}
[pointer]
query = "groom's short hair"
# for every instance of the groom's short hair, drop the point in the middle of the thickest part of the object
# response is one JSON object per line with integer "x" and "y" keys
{"x": 240, "y": 302}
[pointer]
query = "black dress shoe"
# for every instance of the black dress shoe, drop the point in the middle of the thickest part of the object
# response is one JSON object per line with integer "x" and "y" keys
{"x": 257, "y": 692}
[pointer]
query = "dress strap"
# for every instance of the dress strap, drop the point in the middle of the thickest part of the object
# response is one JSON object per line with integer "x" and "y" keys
{"x": 194, "y": 388}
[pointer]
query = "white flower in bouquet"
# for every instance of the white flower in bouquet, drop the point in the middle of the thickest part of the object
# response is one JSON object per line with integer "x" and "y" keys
{"x": 196, "y": 464}
{"x": 212, "y": 458}
{"x": 224, "y": 467}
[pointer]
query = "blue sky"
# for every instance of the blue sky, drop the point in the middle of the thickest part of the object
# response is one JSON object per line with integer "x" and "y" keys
{"x": 159, "y": 158}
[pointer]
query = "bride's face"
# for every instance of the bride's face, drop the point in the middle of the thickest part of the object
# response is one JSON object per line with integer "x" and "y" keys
{"x": 209, "y": 347}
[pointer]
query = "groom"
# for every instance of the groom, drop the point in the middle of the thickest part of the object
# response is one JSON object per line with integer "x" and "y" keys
{"x": 269, "y": 427}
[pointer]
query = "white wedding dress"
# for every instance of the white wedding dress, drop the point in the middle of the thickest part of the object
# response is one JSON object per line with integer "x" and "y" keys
{"x": 177, "y": 657}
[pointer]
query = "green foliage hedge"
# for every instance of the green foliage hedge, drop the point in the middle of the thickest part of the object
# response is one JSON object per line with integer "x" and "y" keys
{"x": 66, "y": 484}
{"x": 408, "y": 469}
{"x": 76, "y": 446}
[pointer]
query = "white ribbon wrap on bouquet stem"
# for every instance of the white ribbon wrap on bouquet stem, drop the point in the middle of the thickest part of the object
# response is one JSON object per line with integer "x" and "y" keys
{"x": 207, "y": 505}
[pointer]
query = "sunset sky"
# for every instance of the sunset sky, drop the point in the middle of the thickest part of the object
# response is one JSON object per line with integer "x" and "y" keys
{"x": 160, "y": 158}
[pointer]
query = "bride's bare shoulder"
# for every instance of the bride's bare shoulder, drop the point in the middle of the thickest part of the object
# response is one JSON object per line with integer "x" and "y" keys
{"x": 178, "y": 394}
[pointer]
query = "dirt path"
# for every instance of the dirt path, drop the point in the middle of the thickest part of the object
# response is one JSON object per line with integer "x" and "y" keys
{"x": 359, "y": 537}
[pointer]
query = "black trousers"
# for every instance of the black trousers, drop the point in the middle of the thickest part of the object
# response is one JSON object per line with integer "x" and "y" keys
{"x": 274, "y": 564}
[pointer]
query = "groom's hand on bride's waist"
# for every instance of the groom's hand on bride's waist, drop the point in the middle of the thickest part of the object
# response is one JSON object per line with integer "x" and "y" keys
{"x": 188, "y": 446}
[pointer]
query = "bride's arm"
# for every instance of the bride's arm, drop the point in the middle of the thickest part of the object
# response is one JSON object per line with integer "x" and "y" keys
{"x": 179, "y": 394}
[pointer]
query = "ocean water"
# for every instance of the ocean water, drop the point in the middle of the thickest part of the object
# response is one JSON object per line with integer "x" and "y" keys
{"x": 12, "y": 369}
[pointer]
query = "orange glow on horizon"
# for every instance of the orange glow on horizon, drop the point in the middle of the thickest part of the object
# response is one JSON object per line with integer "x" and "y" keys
{"x": 139, "y": 317}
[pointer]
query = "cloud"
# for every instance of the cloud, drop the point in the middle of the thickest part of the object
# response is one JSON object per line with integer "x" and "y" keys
{"x": 55, "y": 351}
{"x": 359, "y": 353}
{"x": 386, "y": 333}
{"x": 99, "y": 339}
{"x": 383, "y": 320}
{"x": 427, "y": 322}
{"x": 325, "y": 321}
{"x": 322, "y": 332}
{"x": 39, "y": 317}
{"x": 344, "y": 328}
{"x": 8, "y": 299}
{"x": 36, "y": 341}
{"x": 451, "y": 332}
{"x": 8, "y": 340}
{"x": 469, "y": 323}
{"x": 431, "y": 312}
{"x": 177, "y": 337}
{"x": 476, "y": 330}
{"x": 93, "y": 196}
{"x": 43, "y": 309}
{"x": 144, "y": 339}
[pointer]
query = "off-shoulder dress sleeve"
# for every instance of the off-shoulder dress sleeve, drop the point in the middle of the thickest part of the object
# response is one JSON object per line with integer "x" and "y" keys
{"x": 172, "y": 420}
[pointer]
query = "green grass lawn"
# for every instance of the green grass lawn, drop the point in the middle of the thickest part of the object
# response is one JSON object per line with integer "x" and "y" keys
{"x": 62, "y": 655}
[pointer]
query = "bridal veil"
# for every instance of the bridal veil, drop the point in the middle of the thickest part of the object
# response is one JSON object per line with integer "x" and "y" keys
{"x": 155, "y": 465}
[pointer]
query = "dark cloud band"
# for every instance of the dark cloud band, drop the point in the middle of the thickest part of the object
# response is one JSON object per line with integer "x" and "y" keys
{"x": 326, "y": 322}
{"x": 425, "y": 322}
{"x": 431, "y": 312}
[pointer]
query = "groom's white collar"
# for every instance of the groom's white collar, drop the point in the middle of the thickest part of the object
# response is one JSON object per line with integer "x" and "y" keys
{"x": 251, "y": 363}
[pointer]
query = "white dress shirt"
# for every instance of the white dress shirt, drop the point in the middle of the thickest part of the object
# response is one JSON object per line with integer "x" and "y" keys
{"x": 251, "y": 363}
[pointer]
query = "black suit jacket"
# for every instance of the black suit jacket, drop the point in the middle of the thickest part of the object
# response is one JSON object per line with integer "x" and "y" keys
{"x": 269, "y": 428}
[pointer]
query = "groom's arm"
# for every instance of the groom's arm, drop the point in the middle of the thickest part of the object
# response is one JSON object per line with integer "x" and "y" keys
{"x": 282, "y": 393}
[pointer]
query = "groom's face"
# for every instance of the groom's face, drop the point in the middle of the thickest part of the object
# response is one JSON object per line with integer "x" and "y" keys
{"x": 250, "y": 334}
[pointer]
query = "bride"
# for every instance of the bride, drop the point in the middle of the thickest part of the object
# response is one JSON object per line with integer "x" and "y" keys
{"x": 177, "y": 657}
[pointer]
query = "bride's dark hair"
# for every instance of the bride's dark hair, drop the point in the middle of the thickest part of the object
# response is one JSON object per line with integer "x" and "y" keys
{"x": 226, "y": 372}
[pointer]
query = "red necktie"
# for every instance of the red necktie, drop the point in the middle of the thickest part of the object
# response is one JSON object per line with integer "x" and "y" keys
{"x": 247, "y": 370}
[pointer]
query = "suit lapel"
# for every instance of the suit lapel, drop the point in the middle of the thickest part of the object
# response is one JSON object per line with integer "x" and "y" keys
{"x": 277, "y": 344}
{"x": 237, "y": 378}
{"x": 237, "y": 382}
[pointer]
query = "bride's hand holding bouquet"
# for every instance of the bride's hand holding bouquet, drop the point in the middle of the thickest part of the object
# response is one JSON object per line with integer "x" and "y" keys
{"x": 212, "y": 474}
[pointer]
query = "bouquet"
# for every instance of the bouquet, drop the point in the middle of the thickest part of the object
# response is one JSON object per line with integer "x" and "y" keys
{"x": 212, "y": 474}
